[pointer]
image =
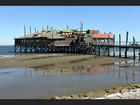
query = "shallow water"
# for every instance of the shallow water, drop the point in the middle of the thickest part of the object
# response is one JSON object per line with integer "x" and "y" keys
{"x": 28, "y": 83}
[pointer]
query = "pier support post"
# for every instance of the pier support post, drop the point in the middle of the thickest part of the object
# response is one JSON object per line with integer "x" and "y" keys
{"x": 119, "y": 51}
{"x": 113, "y": 52}
{"x": 113, "y": 47}
{"x": 139, "y": 54}
{"x": 30, "y": 30}
{"x": 25, "y": 49}
{"x": 108, "y": 51}
{"x": 20, "y": 49}
{"x": 35, "y": 49}
{"x": 35, "y": 30}
{"x": 15, "y": 49}
{"x": 96, "y": 46}
{"x": 126, "y": 45}
{"x": 119, "y": 45}
{"x": 108, "y": 46}
{"x": 98, "y": 51}
{"x": 134, "y": 56}
{"x": 30, "y": 49}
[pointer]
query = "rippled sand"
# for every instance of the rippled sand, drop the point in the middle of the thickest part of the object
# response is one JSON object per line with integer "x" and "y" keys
{"x": 44, "y": 60}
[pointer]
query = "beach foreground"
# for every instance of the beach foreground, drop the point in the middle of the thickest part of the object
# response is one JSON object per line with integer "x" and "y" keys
{"x": 129, "y": 91}
{"x": 65, "y": 63}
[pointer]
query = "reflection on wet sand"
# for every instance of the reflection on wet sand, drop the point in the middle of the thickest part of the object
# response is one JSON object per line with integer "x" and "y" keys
{"x": 109, "y": 69}
{"x": 130, "y": 72}
{"x": 4, "y": 73}
{"x": 99, "y": 68}
{"x": 42, "y": 67}
{"x": 68, "y": 70}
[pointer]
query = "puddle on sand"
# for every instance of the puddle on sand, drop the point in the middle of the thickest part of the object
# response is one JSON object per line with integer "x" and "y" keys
{"x": 27, "y": 83}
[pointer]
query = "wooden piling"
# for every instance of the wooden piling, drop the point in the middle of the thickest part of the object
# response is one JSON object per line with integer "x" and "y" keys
{"x": 30, "y": 50}
{"x": 108, "y": 46}
{"x": 35, "y": 49}
{"x": 98, "y": 51}
{"x": 139, "y": 54}
{"x": 20, "y": 49}
{"x": 35, "y": 30}
{"x": 81, "y": 31}
{"x": 25, "y": 49}
{"x": 47, "y": 27}
{"x": 114, "y": 45}
{"x": 30, "y": 30}
{"x": 52, "y": 31}
{"x": 134, "y": 56}
{"x": 96, "y": 47}
{"x": 15, "y": 48}
{"x": 119, "y": 45}
{"x": 126, "y": 45}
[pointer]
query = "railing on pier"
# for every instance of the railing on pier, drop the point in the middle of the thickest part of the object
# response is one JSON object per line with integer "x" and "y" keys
{"x": 129, "y": 43}
{"x": 119, "y": 44}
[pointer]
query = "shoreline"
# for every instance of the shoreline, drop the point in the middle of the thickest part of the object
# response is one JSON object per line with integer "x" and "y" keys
{"x": 127, "y": 91}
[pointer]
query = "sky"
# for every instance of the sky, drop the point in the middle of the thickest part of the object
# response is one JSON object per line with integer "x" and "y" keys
{"x": 115, "y": 19}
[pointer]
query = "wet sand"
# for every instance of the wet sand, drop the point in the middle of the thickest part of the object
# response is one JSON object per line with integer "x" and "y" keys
{"x": 54, "y": 60}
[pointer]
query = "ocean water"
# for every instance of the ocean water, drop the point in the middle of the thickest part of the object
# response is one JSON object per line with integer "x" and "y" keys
{"x": 7, "y": 51}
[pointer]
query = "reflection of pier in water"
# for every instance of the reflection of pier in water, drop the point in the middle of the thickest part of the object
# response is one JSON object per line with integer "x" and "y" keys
{"x": 130, "y": 72}
{"x": 113, "y": 70}
{"x": 39, "y": 73}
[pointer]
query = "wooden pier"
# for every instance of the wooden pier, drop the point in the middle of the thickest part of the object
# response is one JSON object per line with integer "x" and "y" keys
{"x": 45, "y": 44}
{"x": 120, "y": 46}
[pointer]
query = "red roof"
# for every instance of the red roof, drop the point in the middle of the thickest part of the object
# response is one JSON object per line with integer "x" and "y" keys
{"x": 102, "y": 36}
{"x": 94, "y": 32}
{"x": 97, "y": 34}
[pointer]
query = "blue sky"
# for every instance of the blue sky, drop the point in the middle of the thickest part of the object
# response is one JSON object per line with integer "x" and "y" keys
{"x": 115, "y": 19}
